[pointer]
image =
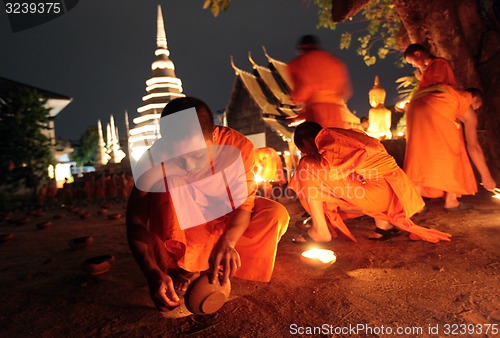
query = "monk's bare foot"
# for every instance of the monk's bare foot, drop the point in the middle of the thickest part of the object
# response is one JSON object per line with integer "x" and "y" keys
{"x": 182, "y": 278}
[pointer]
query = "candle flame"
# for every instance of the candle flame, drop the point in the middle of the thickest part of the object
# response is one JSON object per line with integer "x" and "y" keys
{"x": 325, "y": 256}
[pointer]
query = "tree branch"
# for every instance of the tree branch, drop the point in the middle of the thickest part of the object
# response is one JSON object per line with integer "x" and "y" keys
{"x": 345, "y": 9}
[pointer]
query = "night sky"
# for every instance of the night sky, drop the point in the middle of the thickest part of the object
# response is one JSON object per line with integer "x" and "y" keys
{"x": 100, "y": 53}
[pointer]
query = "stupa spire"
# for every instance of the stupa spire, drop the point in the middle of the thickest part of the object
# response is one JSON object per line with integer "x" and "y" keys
{"x": 161, "y": 88}
{"x": 161, "y": 36}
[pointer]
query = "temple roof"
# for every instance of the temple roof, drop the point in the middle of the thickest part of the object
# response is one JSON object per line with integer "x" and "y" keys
{"x": 55, "y": 102}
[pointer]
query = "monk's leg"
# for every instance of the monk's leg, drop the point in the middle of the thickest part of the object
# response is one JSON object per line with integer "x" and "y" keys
{"x": 319, "y": 231}
{"x": 451, "y": 200}
{"x": 258, "y": 245}
{"x": 383, "y": 230}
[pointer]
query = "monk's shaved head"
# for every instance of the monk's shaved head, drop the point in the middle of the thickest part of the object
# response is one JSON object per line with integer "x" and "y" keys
{"x": 306, "y": 131}
{"x": 203, "y": 112}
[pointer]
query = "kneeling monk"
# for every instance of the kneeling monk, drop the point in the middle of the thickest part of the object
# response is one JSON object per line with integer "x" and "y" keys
{"x": 193, "y": 207}
{"x": 347, "y": 174}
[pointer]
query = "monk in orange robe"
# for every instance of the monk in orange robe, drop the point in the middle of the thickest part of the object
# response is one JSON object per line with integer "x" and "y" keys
{"x": 321, "y": 83}
{"x": 436, "y": 158}
{"x": 433, "y": 70}
{"x": 346, "y": 174}
{"x": 194, "y": 208}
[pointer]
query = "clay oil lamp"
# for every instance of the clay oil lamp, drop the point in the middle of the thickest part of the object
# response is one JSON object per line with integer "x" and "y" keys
{"x": 114, "y": 216}
{"x": 98, "y": 265}
{"x": 318, "y": 258}
{"x": 203, "y": 298}
{"x": 6, "y": 237}
{"x": 80, "y": 242}
{"x": 43, "y": 225}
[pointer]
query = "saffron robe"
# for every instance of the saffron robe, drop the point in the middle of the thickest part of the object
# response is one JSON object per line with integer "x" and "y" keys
{"x": 436, "y": 156}
{"x": 438, "y": 71}
{"x": 321, "y": 81}
{"x": 355, "y": 172}
{"x": 190, "y": 249}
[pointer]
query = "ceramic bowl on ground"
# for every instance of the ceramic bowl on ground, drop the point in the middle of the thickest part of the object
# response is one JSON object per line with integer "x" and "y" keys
{"x": 203, "y": 298}
{"x": 6, "y": 237}
{"x": 102, "y": 211}
{"x": 114, "y": 216}
{"x": 98, "y": 265}
{"x": 58, "y": 216}
{"x": 318, "y": 258}
{"x": 84, "y": 215}
{"x": 80, "y": 242}
{"x": 43, "y": 225}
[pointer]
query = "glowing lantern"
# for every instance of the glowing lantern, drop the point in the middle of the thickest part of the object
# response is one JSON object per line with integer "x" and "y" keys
{"x": 319, "y": 258}
{"x": 379, "y": 116}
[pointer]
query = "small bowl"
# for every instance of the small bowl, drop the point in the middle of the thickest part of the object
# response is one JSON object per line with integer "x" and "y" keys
{"x": 58, "y": 216}
{"x": 203, "y": 298}
{"x": 114, "y": 216}
{"x": 6, "y": 237}
{"x": 80, "y": 242}
{"x": 318, "y": 258}
{"x": 98, "y": 265}
{"x": 43, "y": 225}
{"x": 102, "y": 211}
{"x": 84, "y": 215}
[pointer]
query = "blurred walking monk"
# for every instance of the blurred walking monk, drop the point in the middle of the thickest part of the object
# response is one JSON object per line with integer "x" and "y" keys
{"x": 321, "y": 83}
{"x": 194, "y": 206}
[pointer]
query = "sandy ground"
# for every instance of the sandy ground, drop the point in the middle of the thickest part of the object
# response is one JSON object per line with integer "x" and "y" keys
{"x": 374, "y": 288}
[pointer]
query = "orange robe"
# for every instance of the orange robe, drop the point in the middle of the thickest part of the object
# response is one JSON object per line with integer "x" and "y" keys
{"x": 355, "y": 172}
{"x": 438, "y": 71}
{"x": 190, "y": 249}
{"x": 321, "y": 81}
{"x": 436, "y": 156}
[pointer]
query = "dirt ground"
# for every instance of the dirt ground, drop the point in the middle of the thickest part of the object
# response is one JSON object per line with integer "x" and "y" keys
{"x": 374, "y": 288}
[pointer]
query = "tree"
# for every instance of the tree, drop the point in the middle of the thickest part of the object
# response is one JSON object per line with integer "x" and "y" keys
{"x": 25, "y": 150}
{"x": 87, "y": 152}
{"x": 465, "y": 32}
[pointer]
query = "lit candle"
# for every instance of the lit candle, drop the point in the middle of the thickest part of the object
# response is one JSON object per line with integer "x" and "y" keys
{"x": 314, "y": 256}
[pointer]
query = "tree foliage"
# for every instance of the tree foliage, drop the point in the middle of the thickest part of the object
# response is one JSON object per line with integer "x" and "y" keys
{"x": 25, "y": 150}
{"x": 216, "y": 6}
{"x": 379, "y": 36}
{"x": 89, "y": 143}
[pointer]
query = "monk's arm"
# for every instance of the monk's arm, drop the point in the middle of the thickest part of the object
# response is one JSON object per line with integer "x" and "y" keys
{"x": 474, "y": 149}
{"x": 140, "y": 243}
{"x": 224, "y": 252}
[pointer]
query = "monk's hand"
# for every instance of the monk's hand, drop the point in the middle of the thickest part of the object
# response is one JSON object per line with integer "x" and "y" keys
{"x": 163, "y": 295}
{"x": 223, "y": 255}
{"x": 488, "y": 183}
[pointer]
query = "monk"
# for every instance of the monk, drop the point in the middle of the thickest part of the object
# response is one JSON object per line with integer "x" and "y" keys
{"x": 194, "y": 206}
{"x": 432, "y": 70}
{"x": 321, "y": 83}
{"x": 436, "y": 158}
{"x": 346, "y": 174}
